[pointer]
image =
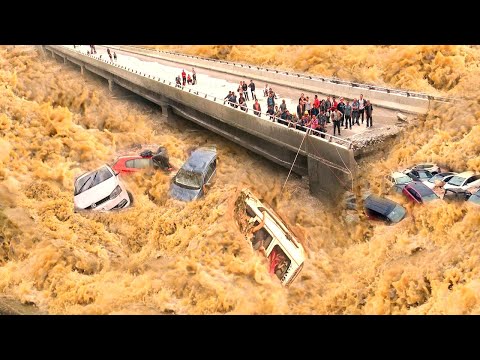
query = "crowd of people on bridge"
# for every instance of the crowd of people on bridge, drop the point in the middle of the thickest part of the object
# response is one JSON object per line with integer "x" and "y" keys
{"x": 186, "y": 78}
{"x": 316, "y": 114}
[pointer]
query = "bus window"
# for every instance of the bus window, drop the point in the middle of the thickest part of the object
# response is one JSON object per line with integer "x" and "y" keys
{"x": 279, "y": 262}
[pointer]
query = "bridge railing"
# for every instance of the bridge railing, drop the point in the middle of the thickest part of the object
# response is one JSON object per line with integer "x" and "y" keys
{"x": 263, "y": 116}
{"x": 332, "y": 80}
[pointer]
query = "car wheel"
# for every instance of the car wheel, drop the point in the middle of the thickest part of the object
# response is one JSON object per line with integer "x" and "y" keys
{"x": 130, "y": 197}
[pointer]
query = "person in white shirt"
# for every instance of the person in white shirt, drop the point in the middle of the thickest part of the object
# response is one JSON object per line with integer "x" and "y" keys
{"x": 361, "y": 106}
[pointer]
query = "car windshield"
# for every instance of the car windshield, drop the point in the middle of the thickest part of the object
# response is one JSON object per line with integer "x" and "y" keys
{"x": 475, "y": 199}
{"x": 404, "y": 180}
{"x": 396, "y": 214}
{"x": 188, "y": 179}
{"x": 456, "y": 181}
{"x": 91, "y": 180}
{"x": 429, "y": 197}
{"x": 437, "y": 177}
{"x": 423, "y": 175}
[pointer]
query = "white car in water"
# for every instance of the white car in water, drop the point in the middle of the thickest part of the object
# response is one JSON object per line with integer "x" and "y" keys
{"x": 398, "y": 180}
{"x": 439, "y": 180}
{"x": 284, "y": 253}
{"x": 432, "y": 168}
{"x": 100, "y": 190}
{"x": 464, "y": 181}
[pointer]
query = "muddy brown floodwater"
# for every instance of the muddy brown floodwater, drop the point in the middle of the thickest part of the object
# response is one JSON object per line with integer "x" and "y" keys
{"x": 165, "y": 256}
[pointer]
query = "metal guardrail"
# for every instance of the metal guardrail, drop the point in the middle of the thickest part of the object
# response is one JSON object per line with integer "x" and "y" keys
{"x": 263, "y": 116}
{"x": 338, "y": 81}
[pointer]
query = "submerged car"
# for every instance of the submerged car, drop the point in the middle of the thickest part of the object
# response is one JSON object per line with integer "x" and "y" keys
{"x": 134, "y": 163}
{"x": 198, "y": 172}
{"x": 419, "y": 175}
{"x": 146, "y": 160}
{"x": 418, "y": 192}
{"x": 456, "y": 194}
{"x": 100, "y": 190}
{"x": 439, "y": 179}
{"x": 378, "y": 208}
{"x": 464, "y": 181}
{"x": 432, "y": 168}
{"x": 284, "y": 252}
{"x": 398, "y": 180}
{"x": 475, "y": 198}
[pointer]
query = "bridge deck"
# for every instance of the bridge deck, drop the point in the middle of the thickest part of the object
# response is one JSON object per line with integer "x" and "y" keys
{"x": 218, "y": 84}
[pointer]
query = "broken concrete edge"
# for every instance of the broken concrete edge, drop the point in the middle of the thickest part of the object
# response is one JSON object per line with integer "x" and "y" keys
{"x": 11, "y": 306}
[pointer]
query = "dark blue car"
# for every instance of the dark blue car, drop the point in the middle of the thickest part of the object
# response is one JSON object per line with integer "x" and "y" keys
{"x": 198, "y": 172}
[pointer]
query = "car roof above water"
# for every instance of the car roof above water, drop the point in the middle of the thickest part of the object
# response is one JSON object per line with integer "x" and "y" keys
{"x": 94, "y": 171}
{"x": 199, "y": 159}
{"x": 379, "y": 204}
{"x": 421, "y": 188}
{"x": 397, "y": 174}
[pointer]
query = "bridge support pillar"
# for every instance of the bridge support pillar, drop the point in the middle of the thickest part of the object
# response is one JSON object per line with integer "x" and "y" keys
{"x": 41, "y": 48}
{"x": 64, "y": 59}
{"x": 331, "y": 169}
{"x": 165, "y": 109}
{"x": 110, "y": 85}
{"x": 82, "y": 69}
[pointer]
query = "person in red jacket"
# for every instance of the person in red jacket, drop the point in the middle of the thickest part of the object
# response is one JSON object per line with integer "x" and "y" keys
{"x": 257, "y": 109}
{"x": 184, "y": 77}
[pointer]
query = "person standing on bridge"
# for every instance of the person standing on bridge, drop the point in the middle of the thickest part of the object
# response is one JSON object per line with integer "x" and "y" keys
{"x": 355, "y": 111}
{"x": 348, "y": 115}
{"x": 316, "y": 106}
{"x": 341, "y": 108}
{"x": 184, "y": 77}
{"x": 337, "y": 117}
{"x": 265, "y": 91}
{"x": 245, "y": 90}
{"x": 252, "y": 89}
{"x": 114, "y": 56}
{"x": 256, "y": 108}
{"x": 270, "y": 101}
{"x": 194, "y": 76}
{"x": 368, "y": 113}
{"x": 361, "y": 106}
{"x": 308, "y": 106}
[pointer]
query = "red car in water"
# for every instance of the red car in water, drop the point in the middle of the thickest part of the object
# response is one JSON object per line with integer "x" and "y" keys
{"x": 133, "y": 163}
{"x": 418, "y": 192}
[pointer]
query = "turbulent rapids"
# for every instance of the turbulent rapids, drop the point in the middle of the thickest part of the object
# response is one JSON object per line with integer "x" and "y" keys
{"x": 164, "y": 256}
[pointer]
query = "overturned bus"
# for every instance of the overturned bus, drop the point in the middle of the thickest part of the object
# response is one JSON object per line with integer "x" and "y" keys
{"x": 284, "y": 253}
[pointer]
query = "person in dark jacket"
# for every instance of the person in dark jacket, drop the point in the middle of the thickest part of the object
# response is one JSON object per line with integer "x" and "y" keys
{"x": 368, "y": 113}
{"x": 245, "y": 90}
{"x": 161, "y": 159}
{"x": 348, "y": 115}
{"x": 233, "y": 100}
{"x": 271, "y": 101}
{"x": 252, "y": 89}
{"x": 355, "y": 112}
{"x": 341, "y": 108}
{"x": 299, "y": 109}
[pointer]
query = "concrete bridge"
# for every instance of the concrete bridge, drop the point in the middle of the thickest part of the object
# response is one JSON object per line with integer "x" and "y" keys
{"x": 388, "y": 98}
{"x": 329, "y": 163}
